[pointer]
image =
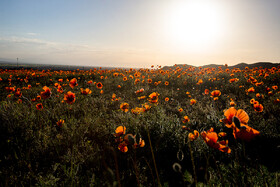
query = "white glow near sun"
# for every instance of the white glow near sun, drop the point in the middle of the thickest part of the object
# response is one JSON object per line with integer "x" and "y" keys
{"x": 194, "y": 25}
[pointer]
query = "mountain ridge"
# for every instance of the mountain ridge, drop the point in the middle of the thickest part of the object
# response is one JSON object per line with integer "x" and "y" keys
{"x": 241, "y": 65}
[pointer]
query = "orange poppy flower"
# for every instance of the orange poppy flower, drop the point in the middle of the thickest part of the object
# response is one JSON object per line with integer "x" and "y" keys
{"x": 206, "y": 91}
{"x": 237, "y": 120}
{"x": 142, "y": 97}
{"x": 270, "y": 93}
{"x": 137, "y": 110}
{"x": 99, "y": 85}
{"x": 124, "y": 78}
{"x": 39, "y": 106}
{"x": 237, "y": 116}
{"x": 232, "y": 103}
{"x": 193, "y": 101}
{"x": 180, "y": 110}
{"x": 60, "y": 122}
{"x": 246, "y": 133}
{"x": 252, "y": 101}
{"x": 140, "y": 144}
{"x": 18, "y": 93}
{"x": 124, "y": 107}
{"x": 274, "y": 87}
{"x": 150, "y": 81}
{"x": 251, "y": 90}
{"x": 123, "y": 147}
{"x": 222, "y": 134}
{"x": 85, "y": 91}
{"x": 59, "y": 89}
{"x": 258, "y": 107}
{"x": 166, "y": 99}
{"x": 211, "y": 139}
{"x": 186, "y": 119}
{"x": 200, "y": 81}
{"x": 114, "y": 96}
{"x": 73, "y": 82}
{"x": 193, "y": 136}
{"x": 215, "y": 93}
{"x": 38, "y": 98}
{"x": 46, "y": 93}
{"x": 166, "y": 83}
{"x": 276, "y": 101}
{"x": 153, "y": 97}
{"x": 120, "y": 130}
{"x": 69, "y": 97}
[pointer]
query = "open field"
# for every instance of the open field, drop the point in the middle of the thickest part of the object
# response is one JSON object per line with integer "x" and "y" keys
{"x": 177, "y": 126}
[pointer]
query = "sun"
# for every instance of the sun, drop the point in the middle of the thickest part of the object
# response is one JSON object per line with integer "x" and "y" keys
{"x": 193, "y": 25}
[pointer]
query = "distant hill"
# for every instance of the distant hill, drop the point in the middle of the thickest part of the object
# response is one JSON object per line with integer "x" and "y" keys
{"x": 240, "y": 65}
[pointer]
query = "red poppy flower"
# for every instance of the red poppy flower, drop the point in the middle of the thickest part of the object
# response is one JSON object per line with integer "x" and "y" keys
{"x": 69, "y": 97}
{"x": 216, "y": 93}
{"x": 258, "y": 107}
{"x": 46, "y": 93}
{"x": 99, "y": 85}
{"x": 39, "y": 106}
{"x": 73, "y": 82}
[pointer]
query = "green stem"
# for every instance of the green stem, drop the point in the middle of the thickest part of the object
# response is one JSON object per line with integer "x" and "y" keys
{"x": 194, "y": 173}
{"x": 153, "y": 156}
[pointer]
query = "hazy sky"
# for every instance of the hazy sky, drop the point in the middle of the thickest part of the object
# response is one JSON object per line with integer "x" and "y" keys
{"x": 140, "y": 33}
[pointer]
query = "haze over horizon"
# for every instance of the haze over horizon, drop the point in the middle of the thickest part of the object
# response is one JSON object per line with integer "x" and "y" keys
{"x": 140, "y": 33}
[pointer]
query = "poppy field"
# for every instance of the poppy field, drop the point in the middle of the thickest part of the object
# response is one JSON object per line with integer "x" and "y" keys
{"x": 171, "y": 126}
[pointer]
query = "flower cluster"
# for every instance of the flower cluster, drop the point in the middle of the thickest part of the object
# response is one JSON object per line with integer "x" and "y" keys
{"x": 126, "y": 140}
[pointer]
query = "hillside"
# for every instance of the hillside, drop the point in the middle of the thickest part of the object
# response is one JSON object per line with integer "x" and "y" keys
{"x": 240, "y": 65}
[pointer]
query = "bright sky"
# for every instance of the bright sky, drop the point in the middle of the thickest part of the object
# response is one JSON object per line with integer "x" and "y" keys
{"x": 126, "y": 33}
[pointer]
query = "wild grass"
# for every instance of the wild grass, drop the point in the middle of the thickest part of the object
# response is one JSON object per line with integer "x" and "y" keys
{"x": 84, "y": 150}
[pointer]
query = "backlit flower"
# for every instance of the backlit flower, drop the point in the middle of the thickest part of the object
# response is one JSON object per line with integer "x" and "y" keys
{"x": 237, "y": 120}
{"x": 153, "y": 97}
{"x": 258, "y": 107}
{"x": 73, "y": 83}
{"x": 186, "y": 119}
{"x": 251, "y": 90}
{"x": 120, "y": 130}
{"x": 69, "y": 97}
{"x": 123, "y": 147}
{"x": 85, "y": 91}
{"x": 46, "y": 93}
{"x": 193, "y": 136}
{"x": 39, "y": 106}
{"x": 211, "y": 139}
{"x": 215, "y": 93}
{"x": 60, "y": 122}
{"x": 124, "y": 107}
{"x": 193, "y": 101}
{"x": 99, "y": 85}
